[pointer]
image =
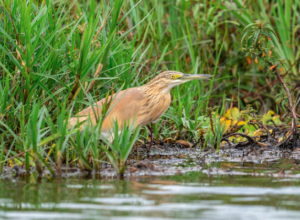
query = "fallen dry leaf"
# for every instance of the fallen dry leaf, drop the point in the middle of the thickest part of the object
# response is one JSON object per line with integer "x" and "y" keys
{"x": 262, "y": 144}
{"x": 184, "y": 143}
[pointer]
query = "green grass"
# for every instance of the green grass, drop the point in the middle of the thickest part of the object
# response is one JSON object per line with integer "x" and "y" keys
{"x": 51, "y": 53}
{"x": 118, "y": 151}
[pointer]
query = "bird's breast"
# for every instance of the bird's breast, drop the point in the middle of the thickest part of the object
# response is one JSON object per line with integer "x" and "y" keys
{"x": 153, "y": 108}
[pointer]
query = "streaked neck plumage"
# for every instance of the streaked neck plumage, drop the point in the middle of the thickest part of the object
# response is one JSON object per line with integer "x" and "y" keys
{"x": 158, "y": 86}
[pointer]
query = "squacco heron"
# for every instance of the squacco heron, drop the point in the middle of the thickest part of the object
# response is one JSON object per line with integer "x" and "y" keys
{"x": 141, "y": 105}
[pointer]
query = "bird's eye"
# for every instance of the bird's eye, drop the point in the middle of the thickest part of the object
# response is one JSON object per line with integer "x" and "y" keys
{"x": 172, "y": 76}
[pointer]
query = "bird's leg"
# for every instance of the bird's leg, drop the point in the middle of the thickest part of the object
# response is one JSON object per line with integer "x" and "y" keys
{"x": 150, "y": 132}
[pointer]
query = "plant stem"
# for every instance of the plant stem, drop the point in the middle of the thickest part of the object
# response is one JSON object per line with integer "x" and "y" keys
{"x": 59, "y": 163}
{"x": 264, "y": 127}
{"x": 293, "y": 128}
{"x": 74, "y": 88}
{"x": 294, "y": 121}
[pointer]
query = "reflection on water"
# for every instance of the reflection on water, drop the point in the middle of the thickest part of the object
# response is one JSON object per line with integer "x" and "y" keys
{"x": 225, "y": 190}
{"x": 192, "y": 195}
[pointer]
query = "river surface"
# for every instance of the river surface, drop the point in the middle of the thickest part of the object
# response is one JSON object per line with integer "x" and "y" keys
{"x": 220, "y": 190}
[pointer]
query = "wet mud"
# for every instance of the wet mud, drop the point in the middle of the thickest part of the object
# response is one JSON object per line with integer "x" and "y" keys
{"x": 173, "y": 160}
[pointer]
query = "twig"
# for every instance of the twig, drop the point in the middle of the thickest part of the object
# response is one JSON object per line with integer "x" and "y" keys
{"x": 263, "y": 126}
{"x": 297, "y": 103}
{"x": 201, "y": 138}
{"x": 102, "y": 25}
{"x": 277, "y": 80}
{"x": 293, "y": 128}
{"x": 228, "y": 141}
{"x": 20, "y": 154}
{"x": 204, "y": 155}
{"x": 13, "y": 23}
{"x": 289, "y": 111}
{"x": 99, "y": 69}
{"x": 294, "y": 121}
{"x": 250, "y": 139}
{"x": 209, "y": 112}
{"x": 271, "y": 120}
{"x": 252, "y": 149}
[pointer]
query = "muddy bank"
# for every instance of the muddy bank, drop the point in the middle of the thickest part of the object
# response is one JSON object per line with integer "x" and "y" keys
{"x": 171, "y": 160}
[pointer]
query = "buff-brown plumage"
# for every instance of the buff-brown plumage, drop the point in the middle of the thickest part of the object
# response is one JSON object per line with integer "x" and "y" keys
{"x": 143, "y": 105}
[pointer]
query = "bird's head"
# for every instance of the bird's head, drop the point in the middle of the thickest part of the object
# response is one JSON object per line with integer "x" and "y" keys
{"x": 170, "y": 79}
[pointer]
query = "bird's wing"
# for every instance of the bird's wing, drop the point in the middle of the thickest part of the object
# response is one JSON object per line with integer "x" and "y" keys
{"x": 125, "y": 107}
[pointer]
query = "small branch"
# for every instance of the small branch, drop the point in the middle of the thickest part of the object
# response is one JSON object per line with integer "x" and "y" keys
{"x": 263, "y": 126}
{"x": 99, "y": 69}
{"x": 18, "y": 155}
{"x": 297, "y": 103}
{"x": 102, "y": 25}
{"x": 256, "y": 30}
{"x": 277, "y": 80}
{"x": 13, "y": 23}
{"x": 250, "y": 139}
{"x": 293, "y": 129}
{"x": 284, "y": 141}
{"x": 209, "y": 112}
{"x": 228, "y": 141}
{"x": 201, "y": 139}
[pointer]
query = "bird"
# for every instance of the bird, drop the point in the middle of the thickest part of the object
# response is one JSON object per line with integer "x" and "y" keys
{"x": 139, "y": 105}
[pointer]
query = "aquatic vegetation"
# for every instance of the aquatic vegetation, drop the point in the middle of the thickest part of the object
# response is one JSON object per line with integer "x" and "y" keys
{"x": 261, "y": 39}
{"x": 59, "y": 57}
{"x": 118, "y": 151}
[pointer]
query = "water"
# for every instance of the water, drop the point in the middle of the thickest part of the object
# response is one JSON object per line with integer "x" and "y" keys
{"x": 192, "y": 195}
{"x": 245, "y": 191}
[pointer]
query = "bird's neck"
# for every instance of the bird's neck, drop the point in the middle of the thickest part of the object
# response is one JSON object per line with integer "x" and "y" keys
{"x": 157, "y": 88}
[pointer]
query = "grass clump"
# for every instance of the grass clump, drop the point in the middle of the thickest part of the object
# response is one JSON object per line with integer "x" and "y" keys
{"x": 118, "y": 151}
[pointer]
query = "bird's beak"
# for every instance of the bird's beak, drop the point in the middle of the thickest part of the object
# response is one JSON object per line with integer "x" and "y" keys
{"x": 194, "y": 76}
